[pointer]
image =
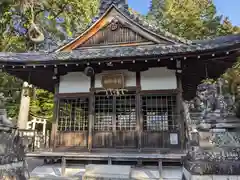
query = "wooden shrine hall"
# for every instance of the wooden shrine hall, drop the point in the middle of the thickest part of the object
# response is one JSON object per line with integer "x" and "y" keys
{"x": 121, "y": 83}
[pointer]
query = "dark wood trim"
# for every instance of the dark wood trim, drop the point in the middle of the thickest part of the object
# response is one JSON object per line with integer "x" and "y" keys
{"x": 114, "y": 121}
{"x": 139, "y": 119}
{"x": 91, "y": 122}
{"x": 55, "y": 118}
{"x": 167, "y": 91}
{"x": 138, "y": 111}
{"x": 92, "y": 82}
{"x": 138, "y": 79}
{"x": 180, "y": 118}
{"x": 91, "y": 115}
{"x": 117, "y": 45}
{"x": 72, "y": 95}
{"x": 129, "y": 88}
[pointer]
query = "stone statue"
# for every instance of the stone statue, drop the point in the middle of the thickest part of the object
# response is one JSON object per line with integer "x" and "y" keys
{"x": 214, "y": 146}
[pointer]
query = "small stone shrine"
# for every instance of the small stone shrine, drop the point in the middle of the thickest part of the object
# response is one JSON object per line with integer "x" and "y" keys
{"x": 214, "y": 146}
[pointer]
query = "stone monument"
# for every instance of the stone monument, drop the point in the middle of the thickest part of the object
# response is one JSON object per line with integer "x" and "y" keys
{"x": 12, "y": 155}
{"x": 214, "y": 137}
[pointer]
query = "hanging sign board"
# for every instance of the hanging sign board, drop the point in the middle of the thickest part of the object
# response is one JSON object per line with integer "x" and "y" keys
{"x": 113, "y": 81}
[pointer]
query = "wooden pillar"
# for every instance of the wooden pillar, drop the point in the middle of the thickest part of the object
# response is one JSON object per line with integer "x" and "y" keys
{"x": 138, "y": 110}
{"x": 91, "y": 115}
{"x": 180, "y": 118}
{"x": 55, "y": 117}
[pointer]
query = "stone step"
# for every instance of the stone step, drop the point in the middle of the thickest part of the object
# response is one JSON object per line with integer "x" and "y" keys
{"x": 107, "y": 172}
{"x": 79, "y": 172}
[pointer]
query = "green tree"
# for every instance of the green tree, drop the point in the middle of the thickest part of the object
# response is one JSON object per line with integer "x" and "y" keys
{"x": 57, "y": 20}
{"x": 11, "y": 89}
{"x": 191, "y": 19}
{"x": 227, "y": 28}
{"x": 42, "y": 104}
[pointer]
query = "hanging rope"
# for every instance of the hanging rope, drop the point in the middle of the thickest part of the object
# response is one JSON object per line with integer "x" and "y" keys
{"x": 34, "y": 32}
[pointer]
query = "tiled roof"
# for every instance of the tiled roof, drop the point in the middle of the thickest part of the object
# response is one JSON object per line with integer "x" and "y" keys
{"x": 152, "y": 26}
{"x": 121, "y": 51}
{"x": 122, "y": 7}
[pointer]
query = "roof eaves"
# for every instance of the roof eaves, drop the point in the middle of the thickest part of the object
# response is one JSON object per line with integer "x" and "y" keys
{"x": 218, "y": 40}
{"x": 115, "y": 52}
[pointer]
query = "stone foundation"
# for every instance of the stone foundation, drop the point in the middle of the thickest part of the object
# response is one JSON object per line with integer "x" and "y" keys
{"x": 79, "y": 172}
{"x": 189, "y": 176}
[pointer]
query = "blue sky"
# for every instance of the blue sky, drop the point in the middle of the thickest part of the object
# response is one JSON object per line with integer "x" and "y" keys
{"x": 230, "y": 8}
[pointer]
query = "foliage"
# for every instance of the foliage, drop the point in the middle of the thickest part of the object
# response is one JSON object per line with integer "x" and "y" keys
{"x": 56, "y": 19}
{"x": 42, "y": 105}
{"x": 11, "y": 89}
{"x": 191, "y": 19}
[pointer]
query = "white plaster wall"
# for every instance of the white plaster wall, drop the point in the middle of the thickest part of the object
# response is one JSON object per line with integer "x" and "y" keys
{"x": 159, "y": 78}
{"x": 130, "y": 78}
{"x": 74, "y": 82}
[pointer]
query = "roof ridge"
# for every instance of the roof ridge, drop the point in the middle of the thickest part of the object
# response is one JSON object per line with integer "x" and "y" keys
{"x": 105, "y": 4}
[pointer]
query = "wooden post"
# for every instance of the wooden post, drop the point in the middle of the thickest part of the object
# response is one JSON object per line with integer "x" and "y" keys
{"x": 55, "y": 118}
{"x": 139, "y": 116}
{"x": 91, "y": 114}
{"x": 91, "y": 121}
{"x": 179, "y": 107}
{"x": 139, "y": 121}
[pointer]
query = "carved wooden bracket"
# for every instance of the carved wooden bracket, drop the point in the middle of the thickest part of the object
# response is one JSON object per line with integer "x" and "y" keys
{"x": 114, "y": 24}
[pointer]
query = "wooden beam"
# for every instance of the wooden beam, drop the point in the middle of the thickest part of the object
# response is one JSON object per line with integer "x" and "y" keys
{"x": 55, "y": 118}
{"x": 99, "y": 25}
{"x": 180, "y": 118}
{"x": 91, "y": 115}
{"x": 138, "y": 110}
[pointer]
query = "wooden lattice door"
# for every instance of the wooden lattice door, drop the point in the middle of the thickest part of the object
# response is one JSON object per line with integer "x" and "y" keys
{"x": 160, "y": 126}
{"x": 126, "y": 121}
{"x": 73, "y": 122}
{"x": 115, "y": 121}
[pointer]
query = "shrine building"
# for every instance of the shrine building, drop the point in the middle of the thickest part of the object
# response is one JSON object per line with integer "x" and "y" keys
{"x": 121, "y": 83}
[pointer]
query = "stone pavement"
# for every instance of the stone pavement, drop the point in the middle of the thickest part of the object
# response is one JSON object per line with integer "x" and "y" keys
{"x": 51, "y": 172}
